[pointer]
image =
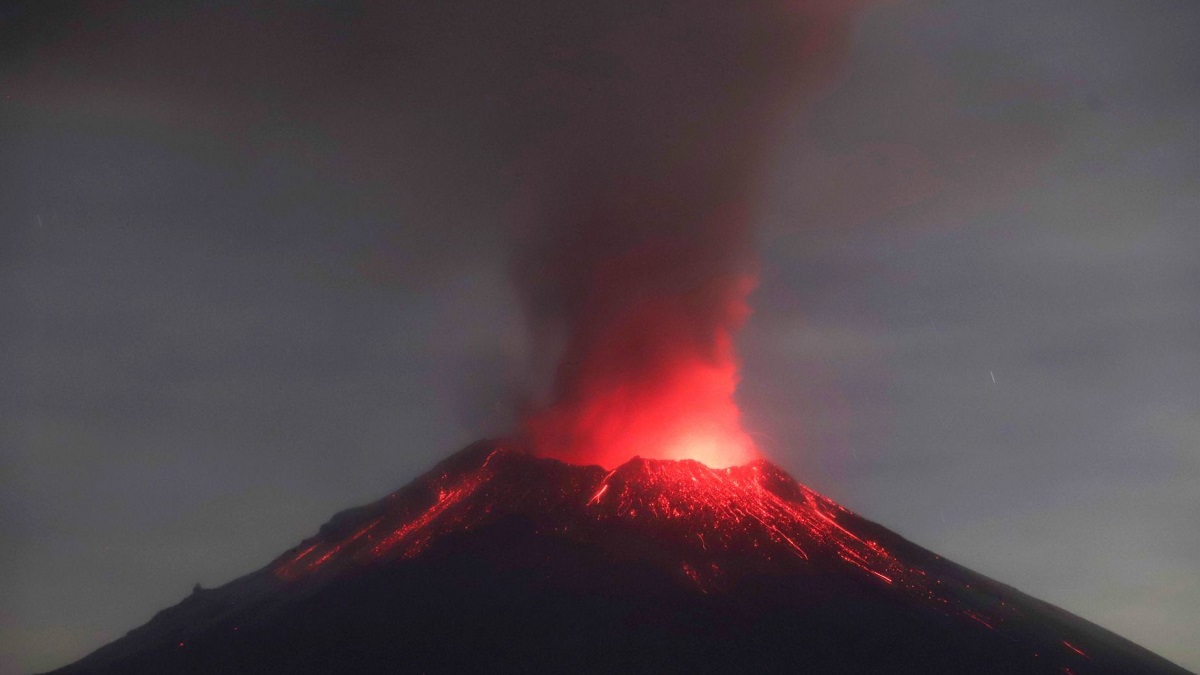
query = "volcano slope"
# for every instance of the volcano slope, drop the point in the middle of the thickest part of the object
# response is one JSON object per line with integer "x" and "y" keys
{"x": 499, "y": 561}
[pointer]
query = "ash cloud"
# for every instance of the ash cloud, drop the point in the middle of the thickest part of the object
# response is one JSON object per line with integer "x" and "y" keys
{"x": 635, "y": 210}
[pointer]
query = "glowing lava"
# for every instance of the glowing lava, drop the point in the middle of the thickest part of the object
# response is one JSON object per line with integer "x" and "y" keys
{"x": 716, "y": 530}
{"x": 755, "y": 513}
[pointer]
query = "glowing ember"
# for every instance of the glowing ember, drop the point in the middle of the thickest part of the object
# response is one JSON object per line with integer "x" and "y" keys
{"x": 1075, "y": 649}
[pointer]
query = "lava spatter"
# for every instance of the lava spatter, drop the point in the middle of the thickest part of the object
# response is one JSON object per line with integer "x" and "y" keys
{"x": 498, "y": 560}
{"x": 755, "y": 515}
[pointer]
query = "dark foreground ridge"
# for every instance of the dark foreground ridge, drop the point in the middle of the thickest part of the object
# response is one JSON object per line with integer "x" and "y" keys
{"x": 496, "y": 561}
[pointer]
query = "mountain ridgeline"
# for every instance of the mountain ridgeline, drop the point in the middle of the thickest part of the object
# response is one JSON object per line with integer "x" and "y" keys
{"x": 498, "y": 561}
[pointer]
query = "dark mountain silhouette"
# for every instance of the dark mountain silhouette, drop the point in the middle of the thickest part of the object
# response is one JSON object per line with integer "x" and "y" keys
{"x": 497, "y": 561}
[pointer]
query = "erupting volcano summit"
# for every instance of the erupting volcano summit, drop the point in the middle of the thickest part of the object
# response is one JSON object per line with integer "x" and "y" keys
{"x": 499, "y": 561}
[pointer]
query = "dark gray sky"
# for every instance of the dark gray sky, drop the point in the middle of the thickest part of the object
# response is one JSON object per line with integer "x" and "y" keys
{"x": 254, "y": 270}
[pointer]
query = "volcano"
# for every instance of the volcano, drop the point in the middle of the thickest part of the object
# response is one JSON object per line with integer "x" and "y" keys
{"x": 499, "y": 561}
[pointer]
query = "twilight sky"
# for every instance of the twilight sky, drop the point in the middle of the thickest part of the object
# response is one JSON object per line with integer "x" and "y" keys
{"x": 255, "y": 256}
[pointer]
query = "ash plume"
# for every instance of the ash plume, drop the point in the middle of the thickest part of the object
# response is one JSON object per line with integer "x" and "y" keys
{"x": 637, "y": 250}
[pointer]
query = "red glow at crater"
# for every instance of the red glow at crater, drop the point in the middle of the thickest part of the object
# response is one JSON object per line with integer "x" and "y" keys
{"x": 690, "y": 414}
{"x": 653, "y": 377}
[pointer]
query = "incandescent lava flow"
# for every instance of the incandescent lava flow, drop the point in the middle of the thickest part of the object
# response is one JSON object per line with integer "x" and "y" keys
{"x": 501, "y": 561}
{"x": 708, "y": 514}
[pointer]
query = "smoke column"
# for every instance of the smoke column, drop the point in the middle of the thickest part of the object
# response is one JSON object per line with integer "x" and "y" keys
{"x": 637, "y": 256}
